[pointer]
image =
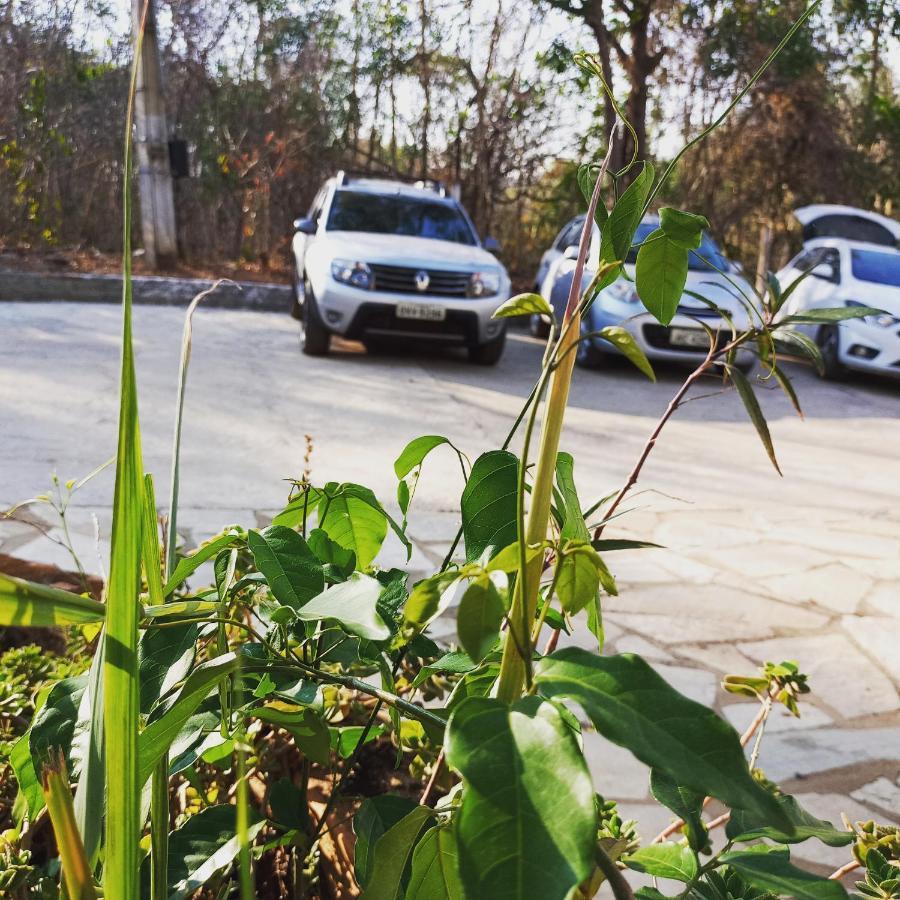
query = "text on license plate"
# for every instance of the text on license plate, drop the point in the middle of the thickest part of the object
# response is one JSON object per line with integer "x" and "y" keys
{"x": 689, "y": 337}
{"x": 427, "y": 311}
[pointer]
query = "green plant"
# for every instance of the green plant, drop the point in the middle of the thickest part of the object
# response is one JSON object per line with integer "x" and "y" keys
{"x": 305, "y": 658}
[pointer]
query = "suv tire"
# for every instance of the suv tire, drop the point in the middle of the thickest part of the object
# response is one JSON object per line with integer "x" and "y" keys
{"x": 488, "y": 354}
{"x": 296, "y": 292}
{"x": 587, "y": 356}
{"x": 316, "y": 337}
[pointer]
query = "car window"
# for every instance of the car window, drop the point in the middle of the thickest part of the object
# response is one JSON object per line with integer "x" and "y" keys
{"x": 570, "y": 234}
{"x": 876, "y": 267}
{"x": 408, "y": 216}
{"x": 706, "y": 258}
{"x": 316, "y": 209}
{"x": 810, "y": 259}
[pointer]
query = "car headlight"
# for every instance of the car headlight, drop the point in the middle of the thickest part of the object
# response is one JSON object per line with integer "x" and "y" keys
{"x": 354, "y": 273}
{"x": 624, "y": 291}
{"x": 884, "y": 320}
{"x": 483, "y": 284}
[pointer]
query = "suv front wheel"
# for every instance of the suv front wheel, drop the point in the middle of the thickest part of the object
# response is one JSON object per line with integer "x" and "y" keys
{"x": 316, "y": 336}
{"x": 488, "y": 354}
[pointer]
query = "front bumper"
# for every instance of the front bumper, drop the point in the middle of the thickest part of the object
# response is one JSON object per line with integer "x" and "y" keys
{"x": 870, "y": 348}
{"x": 355, "y": 314}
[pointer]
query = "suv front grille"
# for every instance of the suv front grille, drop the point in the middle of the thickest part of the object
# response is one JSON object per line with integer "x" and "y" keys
{"x": 402, "y": 280}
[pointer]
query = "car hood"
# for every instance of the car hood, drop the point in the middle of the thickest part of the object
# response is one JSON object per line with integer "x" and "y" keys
{"x": 399, "y": 250}
{"x": 880, "y": 296}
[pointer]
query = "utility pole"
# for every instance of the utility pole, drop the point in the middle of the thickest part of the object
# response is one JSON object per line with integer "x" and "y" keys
{"x": 152, "y": 141}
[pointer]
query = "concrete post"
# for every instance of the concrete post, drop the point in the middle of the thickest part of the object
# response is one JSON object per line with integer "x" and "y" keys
{"x": 157, "y": 200}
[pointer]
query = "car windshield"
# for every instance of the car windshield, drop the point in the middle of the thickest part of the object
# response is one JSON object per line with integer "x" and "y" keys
{"x": 879, "y": 268}
{"x": 386, "y": 214}
{"x": 706, "y": 258}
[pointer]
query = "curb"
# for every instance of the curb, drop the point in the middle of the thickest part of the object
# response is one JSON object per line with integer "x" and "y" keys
{"x": 152, "y": 290}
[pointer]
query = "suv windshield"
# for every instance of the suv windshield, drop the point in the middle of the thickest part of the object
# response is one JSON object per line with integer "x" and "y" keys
{"x": 385, "y": 214}
{"x": 879, "y": 268}
{"x": 706, "y": 258}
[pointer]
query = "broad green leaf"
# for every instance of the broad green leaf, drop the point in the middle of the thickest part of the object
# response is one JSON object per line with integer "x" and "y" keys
{"x": 455, "y": 663}
{"x": 204, "y": 845}
{"x": 527, "y": 824}
{"x": 631, "y": 705}
{"x": 774, "y": 871}
{"x": 751, "y": 404}
{"x": 182, "y": 609}
{"x": 376, "y": 815}
{"x": 524, "y": 305}
{"x": 302, "y": 508}
{"x": 293, "y": 572}
{"x": 159, "y": 734}
{"x": 435, "y": 867}
{"x": 429, "y": 597}
{"x": 618, "y": 231}
{"x": 744, "y": 826}
{"x": 26, "y": 776}
{"x": 306, "y": 726}
{"x": 488, "y": 504}
{"x": 668, "y": 860}
{"x": 830, "y": 315}
{"x": 578, "y": 580}
{"x": 165, "y": 656}
{"x": 686, "y": 803}
{"x": 481, "y": 610}
{"x": 24, "y": 603}
{"x": 288, "y": 804}
{"x": 344, "y": 741}
{"x": 623, "y": 341}
{"x": 682, "y": 228}
{"x": 508, "y": 559}
{"x": 205, "y": 552}
{"x": 415, "y": 452}
{"x": 392, "y": 856}
{"x": 54, "y": 724}
{"x": 573, "y": 526}
{"x": 353, "y": 605}
{"x": 660, "y": 275}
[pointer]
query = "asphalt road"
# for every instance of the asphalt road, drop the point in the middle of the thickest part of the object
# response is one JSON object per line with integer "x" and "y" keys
{"x": 757, "y": 567}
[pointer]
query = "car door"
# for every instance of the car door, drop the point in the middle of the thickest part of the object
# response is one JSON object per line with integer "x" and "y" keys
{"x": 303, "y": 242}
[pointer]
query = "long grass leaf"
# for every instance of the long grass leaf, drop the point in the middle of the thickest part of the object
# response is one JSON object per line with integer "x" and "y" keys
{"x": 25, "y": 603}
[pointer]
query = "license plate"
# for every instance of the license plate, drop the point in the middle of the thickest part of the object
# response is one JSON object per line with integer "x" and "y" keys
{"x": 427, "y": 312}
{"x": 689, "y": 337}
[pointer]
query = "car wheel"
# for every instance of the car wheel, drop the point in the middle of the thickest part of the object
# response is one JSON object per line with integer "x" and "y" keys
{"x": 296, "y": 292}
{"x": 316, "y": 337}
{"x": 829, "y": 341}
{"x": 488, "y": 354}
{"x": 538, "y": 327}
{"x": 587, "y": 356}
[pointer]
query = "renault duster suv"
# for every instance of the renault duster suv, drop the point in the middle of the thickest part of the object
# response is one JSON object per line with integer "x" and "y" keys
{"x": 377, "y": 260}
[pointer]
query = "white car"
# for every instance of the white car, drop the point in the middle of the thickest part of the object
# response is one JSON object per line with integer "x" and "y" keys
{"x": 852, "y": 259}
{"x": 380, "y": 259}
{"x": 683, "y": 339}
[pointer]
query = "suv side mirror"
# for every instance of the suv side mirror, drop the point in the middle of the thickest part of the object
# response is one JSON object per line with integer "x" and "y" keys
{"x": 571, "y": 252}
{"x": 492, "y": 245}
{"x": 825, "y": 271}
{"x": 305, "y": 226}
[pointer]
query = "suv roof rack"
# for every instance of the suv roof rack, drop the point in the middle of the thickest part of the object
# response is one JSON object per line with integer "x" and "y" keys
{"x": 345, "y": 177}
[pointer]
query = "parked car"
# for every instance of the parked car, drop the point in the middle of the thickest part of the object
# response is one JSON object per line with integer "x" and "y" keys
{"x": 684, "y": 339}
{"x": 379, "y": 259}
{"x": 567, "y": 237}
{"x": 852, "y": 259}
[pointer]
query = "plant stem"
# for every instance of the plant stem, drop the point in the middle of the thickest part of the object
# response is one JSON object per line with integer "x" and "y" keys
{"x": 432, "y": 779}
{"x": 159, "y": 830}
{"x": 845, "y": 869}
{"x": 620, "y": 887}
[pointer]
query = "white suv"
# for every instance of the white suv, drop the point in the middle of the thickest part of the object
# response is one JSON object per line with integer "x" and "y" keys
{"x": 378, "y": 259}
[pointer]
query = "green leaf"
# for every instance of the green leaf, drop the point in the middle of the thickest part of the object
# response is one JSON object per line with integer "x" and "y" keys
{"x": 288, "y": 804}
{"x": 773, "y": 871}
{"x": 303, "y": 505}
{"x": 578, "y": 580}
{"x": 331, "y": 553}
{"x": 292, "y": 571}
{"x": 344, "y": 741}
{"x": 524, "y": 305}
{"x": 788, "y": 388}
{"x": 527, "y": 824}
{"x": 682, "y": 228}
{"x": 744, "y": 826}
{"x": 88, "y": 758}
{"x": 455, "y": 663}
{"x": 830, "y": 315}
{"x": 751, "y": 404}
{"x": 415, "y": 452}
{"x": 24, "y": 603}
{"x": 165, "y": 656}
{"x": 376, "y": 815}
{"x": 631, "y": 705}
{"x": 623, "y": 341}
{"x": 206, "y": 844}
{"x": 573, "y": 526}
{"x": 54, "y": 723}
{"x": 481, "y": 610}
{"x": 353, "y": 605}
{"x": 435, "y": 867}
{"x": 686, "y": 803}
{"x": 189, "y": 564}
{"x": 429, "y": 597}
{"x": 618, "y": 231}
{"x": 664, "y": 861}
{"x": 801, "y": 344}
{"x": 200, "y": 609}
{"x": 587, "y": 179}
{"x": 508, "y": 559}
{"x": 26, "y": 776}
{"x": 605, "y": 546}
{"x": 488, "y": 504}
{"x": 306, "y": 726}
{"x": 660, "y": 275}
{"x": 392, "y": 856}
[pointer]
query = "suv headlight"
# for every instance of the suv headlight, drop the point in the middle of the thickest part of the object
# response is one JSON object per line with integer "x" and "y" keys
{"x": 354, "y": 273}
{"x": 884, "y": 320}
{"x": 483, "y": 284}
{"x": 624, "y": 291}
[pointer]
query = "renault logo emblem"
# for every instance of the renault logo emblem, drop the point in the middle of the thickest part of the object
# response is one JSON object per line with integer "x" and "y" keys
{"x": 422, "y": 280}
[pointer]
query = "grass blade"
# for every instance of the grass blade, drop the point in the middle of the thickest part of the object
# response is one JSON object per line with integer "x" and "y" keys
{"x": 25, "y": 603}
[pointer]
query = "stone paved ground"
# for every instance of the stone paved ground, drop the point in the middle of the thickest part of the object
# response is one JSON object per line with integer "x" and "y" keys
{"x": 755, "y": 567}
